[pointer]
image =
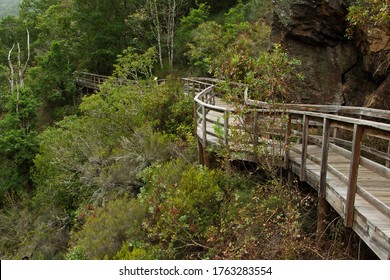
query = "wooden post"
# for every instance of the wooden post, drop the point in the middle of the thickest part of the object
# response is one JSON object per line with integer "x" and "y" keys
{"x": 195, "y": 119}
{"x": 324, "y": 158}
{"x": 200, "y": 151}
{"x": 290, "y": 178}
{"x": 287, "y": 143}
{"x": 336, "y": 131}
{"x": 305, "y": 128}
{"x": 204, "y": 136}
{"x": 353, "y": 174}
{"x": 323, "y": 205}
{"x": 226, "y": 128}
{"x": 255, "y": 131}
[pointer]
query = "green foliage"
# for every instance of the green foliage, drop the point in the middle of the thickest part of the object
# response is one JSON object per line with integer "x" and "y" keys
{"x": 78, "y": 157}
{"x": 366, "y": 13}
{"x": 213, "y": 43}
{"x": 269, "y": 75}
{"x": 207, "y": 42}
{"x": 97, "y": 156}
{"x": 102, "y": 31}
{"x": 30, "y": 232}
{"x": 18, "y": 144}
{"x": 133, "y": 66}
{"x": 53, "y": 79}
{"x": 188, "y": 24}
{"x": 167, "y": 109}
{"x": 184, "y": 202}
{"x": 103, "y": 234}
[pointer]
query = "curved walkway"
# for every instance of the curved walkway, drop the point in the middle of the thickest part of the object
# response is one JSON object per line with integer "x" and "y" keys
{"x": 342, "y": 152}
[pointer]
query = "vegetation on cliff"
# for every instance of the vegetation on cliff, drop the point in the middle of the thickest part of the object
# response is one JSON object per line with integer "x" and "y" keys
{"x": 113, "y": 175}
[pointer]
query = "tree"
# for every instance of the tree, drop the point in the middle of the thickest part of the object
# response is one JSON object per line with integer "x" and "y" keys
{"x": 16, "y": 80}
{"x": 157, "y": 27}
{"x": 52, "y": 79}
{"x": 103, "y": 32}
{"x": 132, "y": 66}
{"x": 211, "y": 41}
{"x": 18, "y": 145}
{"x": 164, "y": 15}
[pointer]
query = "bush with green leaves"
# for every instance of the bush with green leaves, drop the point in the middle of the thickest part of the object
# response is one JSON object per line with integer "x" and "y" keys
{"x": 99, "y": 154}
{"x": 108, "y": 228}
{"x": 367, "y": 13}
{"x": 261, "y": 222}
{"x": 184, "y": 202}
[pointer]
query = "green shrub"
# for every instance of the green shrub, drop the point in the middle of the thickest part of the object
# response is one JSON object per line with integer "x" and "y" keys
{"x": 183, "y": 201}
{"x": 105, "y": 231}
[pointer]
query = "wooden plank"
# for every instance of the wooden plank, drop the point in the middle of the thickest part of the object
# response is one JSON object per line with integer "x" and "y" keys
{"x": 369, "y": 164}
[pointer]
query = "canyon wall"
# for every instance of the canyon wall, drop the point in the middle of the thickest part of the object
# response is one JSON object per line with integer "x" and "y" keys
{"x": 337, "y": 70}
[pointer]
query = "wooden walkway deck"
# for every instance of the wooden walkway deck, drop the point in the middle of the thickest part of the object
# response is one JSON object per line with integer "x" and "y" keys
{"x": 342, "y": 152}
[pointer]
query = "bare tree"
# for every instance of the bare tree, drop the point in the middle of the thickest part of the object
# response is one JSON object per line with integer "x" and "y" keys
{"x": 171, "y": 14}
{"x": 164, "y": 14}
{"x": 173, "y": 11}
{"x": 18, "y": 81}
{"x": 157, "y": 28}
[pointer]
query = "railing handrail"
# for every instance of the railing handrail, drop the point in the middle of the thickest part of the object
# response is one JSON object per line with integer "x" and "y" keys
{"x": 330, "y": 109}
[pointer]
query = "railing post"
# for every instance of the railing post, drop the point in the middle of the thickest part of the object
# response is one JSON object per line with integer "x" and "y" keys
{"x": 305, "y": 128}
{"x": 287, "y": 142}
{"x": 353, "y": 175}
{"x": 323, "y": 205}
{"x": 204, "y": 136}
{"x": 324, "y": 158}
{"x": 255, "y": 131}
{"x": 388, "y": 151}
{"x": 195, "y": 119}
{"x": 226, "y": 128}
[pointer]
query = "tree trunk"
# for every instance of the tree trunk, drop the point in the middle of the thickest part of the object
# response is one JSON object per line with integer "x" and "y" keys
{"x": 21, "y": 70}
{"x": 153, "y": 9}
{"x": 11, "y": 68}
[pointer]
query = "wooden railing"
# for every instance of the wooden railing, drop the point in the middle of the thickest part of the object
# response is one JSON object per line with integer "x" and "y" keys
{"x": 89, "y": 80}
{"x": 313, "y": 132}
{"x": 345, "y": 128}
{"x": 359, "y": 134}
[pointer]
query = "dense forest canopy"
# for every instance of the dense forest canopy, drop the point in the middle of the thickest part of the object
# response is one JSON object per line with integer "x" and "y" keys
{"x": 114, "y": 174}
{"x": 9, "y": 8}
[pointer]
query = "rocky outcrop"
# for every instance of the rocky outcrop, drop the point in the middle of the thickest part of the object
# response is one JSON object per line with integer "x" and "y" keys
{"x": 337, "y": 70}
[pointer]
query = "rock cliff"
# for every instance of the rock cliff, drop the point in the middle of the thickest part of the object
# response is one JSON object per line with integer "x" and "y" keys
{"x": 337, "y": 70}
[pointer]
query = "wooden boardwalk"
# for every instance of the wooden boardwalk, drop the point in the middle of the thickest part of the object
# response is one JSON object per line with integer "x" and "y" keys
{"x": 342, "y": 152}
